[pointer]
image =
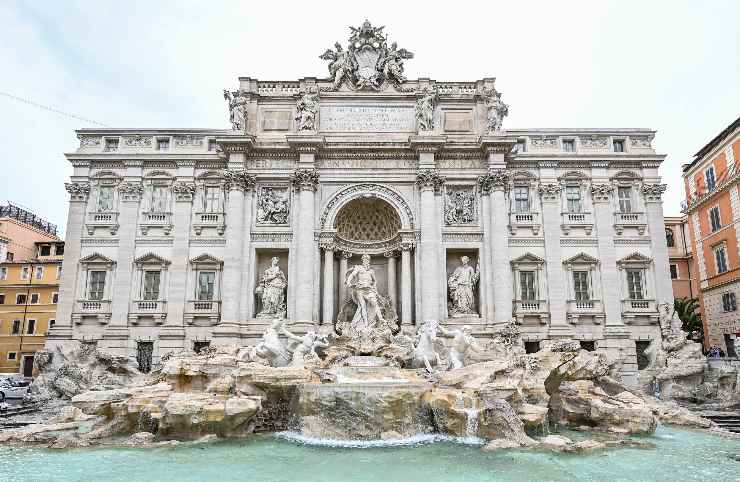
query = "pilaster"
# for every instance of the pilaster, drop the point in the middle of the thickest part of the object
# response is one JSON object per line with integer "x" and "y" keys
{"x": 658, "y": 246}
{"x": 233, "y": 249}
{"x": 305, "y": 181}
{"x": 610, "y": 279}
{"x": 430, "y": 182}
{"x": 183, "y": 193}
{"x": 557, "y": 294}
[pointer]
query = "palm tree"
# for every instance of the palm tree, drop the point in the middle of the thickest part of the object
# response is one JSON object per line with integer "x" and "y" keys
{"x": 686, "y": 309}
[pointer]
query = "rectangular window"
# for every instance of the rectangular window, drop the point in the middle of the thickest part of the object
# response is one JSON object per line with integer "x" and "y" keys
{"x": 211, "y": 145}
{"x": 39, "y": 272}
{"x": 159, "y": 199}
{"x": 580, "y": 285}
{"x": 45, "y": 250}
{"x": 573, "y": 198}
{"x": 16, "y": 327}
{"x": 624, "y": 193}
{"x": 3, "y": 273}
{"x": 9, "y": 256}
{"x": 206, "y": 285}
{"x": 674, "y": 271}
{"x": 25, "y": 272}
{"x": 163, "y": 144}
{"x": 105, "y": 198}
{"x": 618, "y": 145}
{"x": 59, "y": 272}
{"x": 60, "y": 249}
{"x": 54, "y": 298}
{"x": 634, "y": 284}
{"x": 151, "y": 285}
{"x": 96, "y": 287}
{"x": 521, "y": 199}
{"x": 527, "y": 282}
{"x": 200, "y": 346}
{"x": 52, "y": 322}
{"x": 2, "y": 299}
{"x": 12, "y": 355}
{"x": 35, "y": 298}
{"x": 720, "y": 257}
{"x": 714, "y": 219}
{"x": 111, "y": 145}
{"x": 710, "y": 178}
{"x": 729, "y": 303}
{"x": 569, "y": 145}
{"x": 31, "y": 327}
{"x": 21, "y": 299}
{"x": 212, "y": 198}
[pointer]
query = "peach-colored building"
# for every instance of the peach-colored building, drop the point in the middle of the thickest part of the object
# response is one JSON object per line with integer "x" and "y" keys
{"x": 680, "y": 259}
{"x": 712, "y": 184}
{"x": 19, "y": 230}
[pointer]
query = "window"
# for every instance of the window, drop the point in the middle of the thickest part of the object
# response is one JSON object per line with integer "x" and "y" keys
{"x": 580, "y": 285}
{"x": 670, "y": 240}
{"x": 624, "y": 193}
{"x": 212, "y": 198}
{"x": 163, "y": 144}
{"x": 709, "y": 177}
{"x": 52, "y": 322}
{"x": 527, "y": 282}
{"x": 105, "y": 198}
{"x": 20, "y": 299}
{"x": 569, "y": 145}
{"x": 573, "y": 198}
{"x": 144, "y": 352}
{"x": 111, "y": 145}
{"x": 2, "y": 299}
{"x": 720, "y": 258}
{"x": 211, "y": 145}
{"x": 200, "y": 346}
{"x": 39, "y": 272}
{"x": 151, "y": 285}
{"x": 45, "y": 250}
{"x": 31, "y": 327}
{"x": 35, "y": 298}
{"x": 16, "y": 327}
{"x": 25, "y": 272}
{"x": 618, "y": 145}
{"x": 60, "y": 249}
{"x": 54, "y": 298}
{"x": 728, "y": 302}
{"x": 643, "y": 361}
{"x": 9, "y": 256}
{"x": 159, "y": 199}
{"x": 12, "y": 355}
{"x": 96, "y": 285}
{"x": 531, "y": 346}
{"x": 206, "y": 284}
{"x": 521, "y": 199}
{"x": 3, "y": 273}
{"x": 714, "y": 220}
{"x": 588, "y": 345}
{"x": 59, "y": 272}
{"x": 674, "y": 271}
{"x": 634, "y": 284}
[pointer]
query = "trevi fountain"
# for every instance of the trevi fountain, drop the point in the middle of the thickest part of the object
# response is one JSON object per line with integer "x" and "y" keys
{"x": 438, "y": 377}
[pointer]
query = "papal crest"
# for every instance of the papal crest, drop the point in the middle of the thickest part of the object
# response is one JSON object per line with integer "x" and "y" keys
{"x": 368, "y": 62}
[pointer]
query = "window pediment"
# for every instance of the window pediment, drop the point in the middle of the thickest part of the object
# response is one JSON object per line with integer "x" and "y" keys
{"x": 628, "y": 177}
{"x": 573, "y": 177}
{"x": 97, "y": 258}
{"x": 527, "y": 258}
{"x": 581, "y": 258}
{"x": 635, "y": 259}
{"x": 206, "y": 259}
{"x": 151, "y": 258}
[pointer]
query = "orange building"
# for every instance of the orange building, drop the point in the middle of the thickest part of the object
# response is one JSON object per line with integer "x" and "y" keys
{"x": 680, "y": 259}
{"x": 712, "y": 206}
{"x": 19, "y": 230}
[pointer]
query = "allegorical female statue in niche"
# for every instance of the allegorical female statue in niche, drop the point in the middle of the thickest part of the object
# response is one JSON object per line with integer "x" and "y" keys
{"x": 461, "y": 287}
{"x": 271, "y": 289}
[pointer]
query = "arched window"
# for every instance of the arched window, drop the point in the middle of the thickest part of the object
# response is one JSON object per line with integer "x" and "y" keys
{"x": 669, "y": 239}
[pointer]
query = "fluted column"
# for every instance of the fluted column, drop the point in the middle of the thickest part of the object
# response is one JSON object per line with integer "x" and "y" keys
{"x": 429, "y": 181}
{"x": 344, "y": 257}
{"x": 406, "y": 298}
{"x": 328, "y": 301}
{"x": 305, "y": 182}
{"x": 233, "y": 248}
{"x": 392, "y": 288}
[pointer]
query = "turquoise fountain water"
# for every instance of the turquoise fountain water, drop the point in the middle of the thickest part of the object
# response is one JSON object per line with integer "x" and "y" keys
{"x": 679, "y": 455}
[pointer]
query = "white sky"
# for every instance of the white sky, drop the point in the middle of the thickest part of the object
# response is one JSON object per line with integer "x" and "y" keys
{"x": 673, "y": 66}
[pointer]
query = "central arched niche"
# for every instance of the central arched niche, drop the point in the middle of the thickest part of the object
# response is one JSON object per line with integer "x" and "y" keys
{"x": 367, "y": 220}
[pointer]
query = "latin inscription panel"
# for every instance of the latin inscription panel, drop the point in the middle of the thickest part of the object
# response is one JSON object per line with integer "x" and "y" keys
{"x": 356, "y": 118}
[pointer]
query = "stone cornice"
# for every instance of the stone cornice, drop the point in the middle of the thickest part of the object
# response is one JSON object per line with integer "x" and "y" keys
{"x": 496, "y": 144}
{"x": 427, "y": 143}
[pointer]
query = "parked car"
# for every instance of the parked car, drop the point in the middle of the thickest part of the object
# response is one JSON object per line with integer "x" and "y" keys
{"x": 13, "y": 388}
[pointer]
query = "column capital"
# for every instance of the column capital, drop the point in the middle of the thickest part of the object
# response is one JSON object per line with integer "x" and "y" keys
{"x": 601, "y": 192}
{"x": 328, "y": 246}
{"x": 238, "y": 179}
{"x": 78, "y": 191}
{"x": 183, "y": 191}
{"x": 305, "y": 179}
{"x": 495, "y": 179}
{"x": 391, "y": 254}
{"x": 429, "y": 179}
{"x": 653, "y": 192}
{"x": 407, "y": 246}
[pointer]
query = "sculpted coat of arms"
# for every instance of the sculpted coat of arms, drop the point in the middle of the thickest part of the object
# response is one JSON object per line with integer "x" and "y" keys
{"x": 368, "y": 62}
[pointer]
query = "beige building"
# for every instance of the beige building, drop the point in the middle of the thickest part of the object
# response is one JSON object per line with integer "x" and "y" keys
{"x": 680, "y": 259}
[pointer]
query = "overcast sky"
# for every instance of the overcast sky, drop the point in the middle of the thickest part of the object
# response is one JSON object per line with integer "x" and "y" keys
{"x": 673, "y": 66}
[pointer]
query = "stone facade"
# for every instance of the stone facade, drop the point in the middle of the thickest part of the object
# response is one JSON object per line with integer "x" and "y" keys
{"x": 564, "y": 228}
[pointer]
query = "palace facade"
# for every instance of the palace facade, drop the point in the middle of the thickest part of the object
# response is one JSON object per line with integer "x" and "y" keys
{"x": 178, "y": 238}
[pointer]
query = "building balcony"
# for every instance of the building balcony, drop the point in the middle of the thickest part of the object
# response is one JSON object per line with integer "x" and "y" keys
{"x": 632, "y": 308}
{"x": 577, "y": 220}
{"x": 535, "y": 308}
{"x": 156, "y": 220}
{"x": 630, "y": 220}
{"x": 209, "y": 220}
{"x": 92, "y": 308}
{"x": 210, "y": 309}
{"x": 156, "y": 309}
{"x": 105, "y": 220}
{"x": 585, "y": 308}
{"x": 524, "y": 220}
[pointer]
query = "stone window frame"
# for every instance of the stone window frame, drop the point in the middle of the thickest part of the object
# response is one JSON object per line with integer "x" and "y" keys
{"x": 14, "y": 357}
{"x": 98, "y": 180}
{"x": 523, "y": 178}
{"x": 584, "y": 262}
{"x": 640, "y": 262}
{"x": 631, "y": 180}
{"x": 710, "y": 222}
{"x": 582, "y": 181}
{"x": 151, "y": 218}
{"x": 201, "y": 217}
{"x": 111, "y": 143}
{"x": 722, "y": 245}
{"x": 529, "y": 262}
{"x": 573, "y": 142}
{"x": 729, "y": 305}
{"x": 95, "y": 262}
{"x": 676, "y": 270}
{"x": 198, "y": 264}
{"x": 167, "y": 139}
{"x": 148, "y": 262}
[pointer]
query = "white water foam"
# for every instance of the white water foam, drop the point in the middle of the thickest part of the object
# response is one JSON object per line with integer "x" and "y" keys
{"x": 366, "y": 444}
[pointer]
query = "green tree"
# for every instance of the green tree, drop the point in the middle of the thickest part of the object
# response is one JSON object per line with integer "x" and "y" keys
{"x": 686, "y": 309}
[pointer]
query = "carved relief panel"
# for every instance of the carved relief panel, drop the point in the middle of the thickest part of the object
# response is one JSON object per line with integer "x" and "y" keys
{"x": 273, "y": 205}
{"x": 461, "y": 205}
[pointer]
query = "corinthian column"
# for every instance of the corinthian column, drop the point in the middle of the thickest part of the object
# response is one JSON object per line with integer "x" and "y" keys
{"x": 246, "y": 301}
{"x": 429, "y": 182}
{"x": 328, "y": 302}
{"x": 305, "y": 182}
{"x": 658, "y": 246}
{"x": 233, "y": 250}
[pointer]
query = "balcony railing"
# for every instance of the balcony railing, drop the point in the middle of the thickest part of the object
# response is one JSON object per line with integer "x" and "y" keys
{"x": 524, "y": 220}
{"x": 148, "y": 308}
{"x": 156, "y": 220}
{"x": 210, "y": 309}
{"x": 639, "y": 306}
{"x": 203, "y": 220}
{"x": 585, "y": 306}
{"x": 636, "y": 220}
{"x": 92, "y": 308}
{"x": 530, "y": 306}
{"x": 577, "y": 220}
{"x": 103, "y": 220}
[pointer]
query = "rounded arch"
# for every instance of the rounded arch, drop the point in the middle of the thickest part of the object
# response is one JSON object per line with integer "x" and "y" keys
{"x": 367, "y": 219}
{"x": 367, "y": 191}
